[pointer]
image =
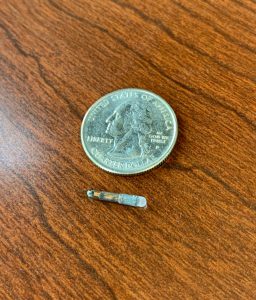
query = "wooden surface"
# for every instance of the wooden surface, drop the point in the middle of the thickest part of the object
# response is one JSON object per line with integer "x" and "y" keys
{"x": 197, "y": 239}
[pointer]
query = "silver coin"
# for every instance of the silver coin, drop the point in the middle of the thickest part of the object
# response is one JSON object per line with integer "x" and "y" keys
{"x": 129, "y": 131}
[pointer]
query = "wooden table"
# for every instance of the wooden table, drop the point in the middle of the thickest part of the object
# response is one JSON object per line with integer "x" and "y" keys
{"x": 197, "y": 239}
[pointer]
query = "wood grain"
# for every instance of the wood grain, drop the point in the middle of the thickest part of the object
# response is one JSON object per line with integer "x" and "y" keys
{"x": 197, "y": 239}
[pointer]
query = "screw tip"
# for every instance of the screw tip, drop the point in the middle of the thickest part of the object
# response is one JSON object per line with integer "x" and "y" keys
{"x": 90, "y": 193}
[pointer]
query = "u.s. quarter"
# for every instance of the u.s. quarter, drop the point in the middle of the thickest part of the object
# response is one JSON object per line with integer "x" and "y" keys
{"x": 129, "y": 131}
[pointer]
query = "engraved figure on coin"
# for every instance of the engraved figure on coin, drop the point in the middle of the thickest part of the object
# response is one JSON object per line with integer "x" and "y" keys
{"x": 129, "y": 125}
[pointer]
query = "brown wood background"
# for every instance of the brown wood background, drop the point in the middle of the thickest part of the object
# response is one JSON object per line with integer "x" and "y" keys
{"x": 197, "y": 239}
